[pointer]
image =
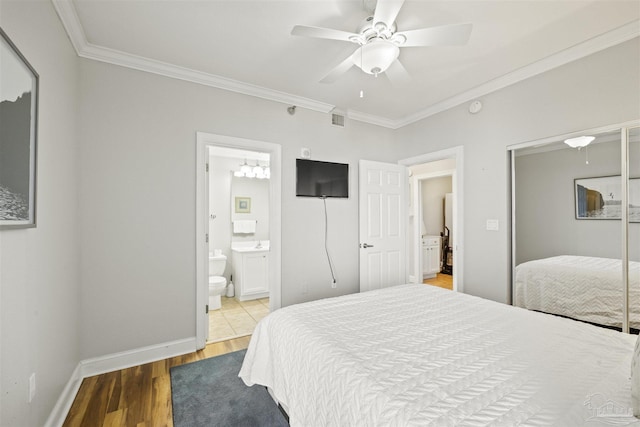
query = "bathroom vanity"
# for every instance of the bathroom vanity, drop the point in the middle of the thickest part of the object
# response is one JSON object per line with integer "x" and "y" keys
{"x": 431, "y": 256}
{"x": 251, "y": 271}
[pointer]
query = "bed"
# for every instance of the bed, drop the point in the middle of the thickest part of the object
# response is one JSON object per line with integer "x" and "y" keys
{"x": 583, "y": 288}
{"x": 416, "y": 355}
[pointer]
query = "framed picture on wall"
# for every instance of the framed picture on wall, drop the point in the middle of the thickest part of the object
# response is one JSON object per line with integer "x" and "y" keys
{"x": 243, "y": 204}
{"x": 18, "y": 134}
{"x": 601, "y": 198}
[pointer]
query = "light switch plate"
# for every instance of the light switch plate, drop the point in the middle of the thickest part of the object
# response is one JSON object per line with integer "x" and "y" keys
{"x": 32, "y": 386}
{"x": 493, "y": 225}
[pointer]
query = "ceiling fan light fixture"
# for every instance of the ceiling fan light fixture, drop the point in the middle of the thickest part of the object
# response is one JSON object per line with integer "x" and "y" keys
{"x": 379, "y": 42}
{"x": 375, "y": 57}
{"x": 579, "y": 142}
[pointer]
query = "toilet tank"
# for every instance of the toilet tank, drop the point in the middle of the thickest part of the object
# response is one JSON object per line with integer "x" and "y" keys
{"x": 217, "y": 264}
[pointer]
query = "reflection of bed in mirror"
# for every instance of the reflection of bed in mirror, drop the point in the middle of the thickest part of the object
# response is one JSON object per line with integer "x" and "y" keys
{"x": 579, "y": 287}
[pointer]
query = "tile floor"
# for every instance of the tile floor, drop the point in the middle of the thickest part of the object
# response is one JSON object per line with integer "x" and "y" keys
{"x": 236, "y": 318}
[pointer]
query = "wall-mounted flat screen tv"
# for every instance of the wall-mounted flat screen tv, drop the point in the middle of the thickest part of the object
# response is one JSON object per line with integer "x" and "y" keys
{"x": 321, "y": 179}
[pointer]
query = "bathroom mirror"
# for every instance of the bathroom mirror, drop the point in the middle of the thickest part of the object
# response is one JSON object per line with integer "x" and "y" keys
{"x": 567, "y": 231}
{"x": 249, "y": 209}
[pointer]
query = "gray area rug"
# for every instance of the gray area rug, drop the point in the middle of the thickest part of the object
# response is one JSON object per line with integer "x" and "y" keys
{"x": 209, "y": 393}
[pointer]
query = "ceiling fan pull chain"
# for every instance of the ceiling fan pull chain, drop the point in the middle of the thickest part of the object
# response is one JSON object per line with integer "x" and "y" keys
{"x": 361, "y": 91}
{"x": 586, "y": 149}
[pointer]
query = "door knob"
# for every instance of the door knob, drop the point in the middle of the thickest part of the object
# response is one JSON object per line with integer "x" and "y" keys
{"x": 366, "y": 245}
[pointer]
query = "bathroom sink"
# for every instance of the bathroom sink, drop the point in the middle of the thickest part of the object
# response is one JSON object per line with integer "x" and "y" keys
{"x": 259, "y": 246}
{"x": 251, "y": 249}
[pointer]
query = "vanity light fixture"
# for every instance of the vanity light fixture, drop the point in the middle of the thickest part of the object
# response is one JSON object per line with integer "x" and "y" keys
{"x": 579, "y": 142}
{"x": 265, "y": 172}
{"x": 257, "y": 171}
{"x": 245, "y": 168}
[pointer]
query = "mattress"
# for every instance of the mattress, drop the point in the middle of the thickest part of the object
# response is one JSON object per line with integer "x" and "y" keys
{"x": 583, "y": 288}
{"x": 416, "y": 355}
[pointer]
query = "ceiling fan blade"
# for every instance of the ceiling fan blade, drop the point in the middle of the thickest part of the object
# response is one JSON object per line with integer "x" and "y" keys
{"x": 397, "y": 74}
{"x": 325, "y": 33}
{"x": 387, "y": 11}
{"x": 339, "y": 70}
{"x": 445, "y": 35}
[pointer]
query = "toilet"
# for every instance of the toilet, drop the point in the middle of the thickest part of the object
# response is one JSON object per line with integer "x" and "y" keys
{"x": 217, "y": 282}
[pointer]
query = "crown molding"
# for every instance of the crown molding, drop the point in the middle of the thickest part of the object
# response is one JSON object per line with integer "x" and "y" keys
{"x": 619, "y": 35}
{"x": 372, "y": 119}
{"x": 69, "y": 17}
{"x": 140, "y": 63}
{"x": 67, "y": 13}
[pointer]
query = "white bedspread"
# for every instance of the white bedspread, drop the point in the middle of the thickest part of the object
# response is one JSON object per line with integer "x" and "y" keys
{"x": 583, "y": 288}
{"x": 416, "y": 355}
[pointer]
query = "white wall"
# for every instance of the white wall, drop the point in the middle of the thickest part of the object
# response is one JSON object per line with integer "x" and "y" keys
{"x": 430, "y": 167}
{"x": 597, "y": 90}
{"x": 433, "y": 192}
{"x": 137, "y": 200}
{"x": 39, "y": 267}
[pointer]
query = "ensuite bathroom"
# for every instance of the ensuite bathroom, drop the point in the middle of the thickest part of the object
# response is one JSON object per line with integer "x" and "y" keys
{"x": 238, "y": 241}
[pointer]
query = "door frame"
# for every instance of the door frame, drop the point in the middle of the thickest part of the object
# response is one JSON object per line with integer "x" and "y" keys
{"x": 203, "y": 142}
{"x": 456, "y": 153}
{"x": 417, "y": 213}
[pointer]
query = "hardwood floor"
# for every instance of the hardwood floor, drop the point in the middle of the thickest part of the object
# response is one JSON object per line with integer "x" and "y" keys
{"x": 139, "y": 396}
{"x": 441, "y": 280}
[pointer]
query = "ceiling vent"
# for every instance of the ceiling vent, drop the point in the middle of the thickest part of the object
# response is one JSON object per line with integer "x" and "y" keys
{"x": 337, "y": 119}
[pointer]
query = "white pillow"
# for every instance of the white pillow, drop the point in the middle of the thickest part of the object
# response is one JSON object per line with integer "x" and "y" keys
{"x": 635, "y": 379}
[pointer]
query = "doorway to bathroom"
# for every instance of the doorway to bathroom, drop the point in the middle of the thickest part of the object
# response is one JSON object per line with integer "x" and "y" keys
{"x": 238, "y": 205}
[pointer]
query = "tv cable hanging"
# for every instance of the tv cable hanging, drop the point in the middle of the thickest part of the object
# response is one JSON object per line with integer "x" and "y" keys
{"x": 326, "y": 236}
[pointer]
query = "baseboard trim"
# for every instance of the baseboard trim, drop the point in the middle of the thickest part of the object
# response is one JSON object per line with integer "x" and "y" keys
{"x": 139, "y": 356}
{"x": 63, "y": 405}
{"x": 113, "y": 362}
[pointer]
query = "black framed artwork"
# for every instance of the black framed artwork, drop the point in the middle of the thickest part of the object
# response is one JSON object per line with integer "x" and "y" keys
{"x": 18, "y": 137}
{"x": 601, "y": 198}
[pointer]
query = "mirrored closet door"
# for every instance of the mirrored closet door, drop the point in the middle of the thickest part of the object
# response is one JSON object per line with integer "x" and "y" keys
{"x": 568, "y": 231}
{"x": 633, "y": 228}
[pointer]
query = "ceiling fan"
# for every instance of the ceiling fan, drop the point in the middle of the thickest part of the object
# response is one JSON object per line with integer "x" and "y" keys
{"x": 380, "y": 41}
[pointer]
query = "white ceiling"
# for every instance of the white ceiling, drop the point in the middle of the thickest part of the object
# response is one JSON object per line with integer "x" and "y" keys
{"x": 246, "y": 46}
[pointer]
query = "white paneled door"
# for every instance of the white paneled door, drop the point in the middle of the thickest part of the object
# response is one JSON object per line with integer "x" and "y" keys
{"x": 382, "y": 224}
